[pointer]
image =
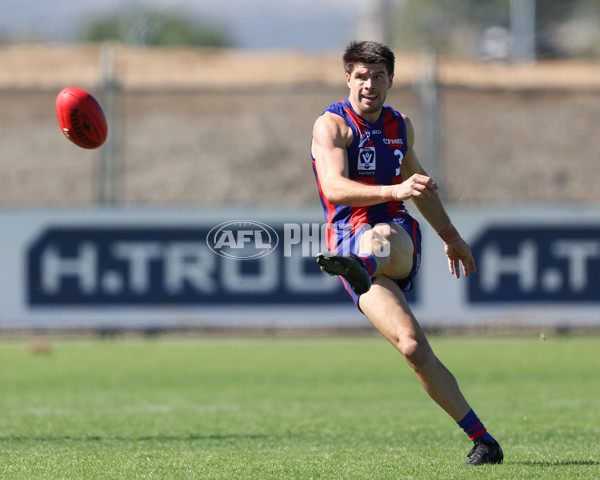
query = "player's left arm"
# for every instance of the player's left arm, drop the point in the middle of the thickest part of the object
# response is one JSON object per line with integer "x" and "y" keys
{"x": 431, "y": 207}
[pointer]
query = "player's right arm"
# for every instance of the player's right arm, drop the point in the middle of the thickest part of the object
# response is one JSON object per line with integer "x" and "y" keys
{"x": 331, "y": 137}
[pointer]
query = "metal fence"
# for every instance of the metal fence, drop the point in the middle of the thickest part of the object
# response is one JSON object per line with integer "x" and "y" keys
{"x": 206, "y": 145}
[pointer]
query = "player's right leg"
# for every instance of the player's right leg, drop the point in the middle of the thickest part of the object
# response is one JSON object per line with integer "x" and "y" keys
{"x": 385, "y": 248}
{"x": 392, "y": 248}
{"x": 349, "y": 267}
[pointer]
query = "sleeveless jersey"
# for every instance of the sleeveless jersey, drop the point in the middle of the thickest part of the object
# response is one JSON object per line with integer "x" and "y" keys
{"x": 374, "y": 157}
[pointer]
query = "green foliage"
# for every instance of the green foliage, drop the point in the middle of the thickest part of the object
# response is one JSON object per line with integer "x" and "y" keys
{"x": 328, "y": 408}
{"x": 147, "y": 27}
{"x": 444, "y": 26}
{"x": 456, "y": 26}
{"x": 179, "y": 31}
{"x": 101, "y": 30}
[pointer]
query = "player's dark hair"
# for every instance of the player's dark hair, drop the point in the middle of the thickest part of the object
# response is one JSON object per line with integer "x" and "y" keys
{"x": 369, "y": 53}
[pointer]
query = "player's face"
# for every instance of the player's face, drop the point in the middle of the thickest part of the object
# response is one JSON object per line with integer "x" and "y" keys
{"x": 368, "y": 88}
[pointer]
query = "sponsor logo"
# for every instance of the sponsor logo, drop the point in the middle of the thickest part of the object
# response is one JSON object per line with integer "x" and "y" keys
{"x": 81, "y": 127}
{"x": 537, "y": 264}
{"x": 242, "y": 239}
{"x": 366, "y": 159}
{"x": 365, "y": 138}
{"x": 366, "y": 155}
{"x": 167, "y": 266}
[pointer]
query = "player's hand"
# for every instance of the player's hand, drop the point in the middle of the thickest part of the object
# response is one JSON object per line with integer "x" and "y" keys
{"x": 418, "y": 186}
{"x": 459, "y": 252}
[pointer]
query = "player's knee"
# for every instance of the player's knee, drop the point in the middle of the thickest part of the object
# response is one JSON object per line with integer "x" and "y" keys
{"x": 410, "y": 348}
{"x": 376, "y": 240}
{"x": 416, "y": 352}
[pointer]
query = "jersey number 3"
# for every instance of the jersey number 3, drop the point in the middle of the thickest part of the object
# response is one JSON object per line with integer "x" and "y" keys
{"x": 398, "y": 153}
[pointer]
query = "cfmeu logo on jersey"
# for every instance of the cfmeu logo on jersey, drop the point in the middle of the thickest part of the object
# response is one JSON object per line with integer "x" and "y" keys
{"x": 242, "y": 239}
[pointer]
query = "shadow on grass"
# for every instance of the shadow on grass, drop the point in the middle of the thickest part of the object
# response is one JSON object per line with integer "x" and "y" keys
{"x": 558, "y": 463}
{"x": 164, "y": 438}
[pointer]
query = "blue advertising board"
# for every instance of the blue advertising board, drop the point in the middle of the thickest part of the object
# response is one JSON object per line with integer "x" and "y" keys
{"x": 540, "y": 264}
{"x": 164, "y": 267}
{"x": 234, "y": 263}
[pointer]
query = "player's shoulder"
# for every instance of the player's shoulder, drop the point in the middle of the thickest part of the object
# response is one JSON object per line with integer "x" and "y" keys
{"x": 399, "y": 115}
{"x": 404, "y": 117}
{"x": 396, "y": 113}
{"x": 332, "y": 125}
{"x": 410, "y": 131}
{"x": 337, "y": 108}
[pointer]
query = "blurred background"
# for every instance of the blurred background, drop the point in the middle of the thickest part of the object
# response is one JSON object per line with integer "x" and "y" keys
{"x": 211, "y": 104}
{"x": 206, "y": 97}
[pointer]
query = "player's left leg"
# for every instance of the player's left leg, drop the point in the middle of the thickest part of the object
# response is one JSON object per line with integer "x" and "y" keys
{"x": 390, "y": 251}
{"x": 386, "y": 307}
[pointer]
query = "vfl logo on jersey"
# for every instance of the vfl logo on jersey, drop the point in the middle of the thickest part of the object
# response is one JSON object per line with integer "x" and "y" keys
{"x": 366, "y": 156}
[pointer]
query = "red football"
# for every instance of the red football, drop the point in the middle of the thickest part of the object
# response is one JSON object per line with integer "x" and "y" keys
{"x": 81, "y": 117}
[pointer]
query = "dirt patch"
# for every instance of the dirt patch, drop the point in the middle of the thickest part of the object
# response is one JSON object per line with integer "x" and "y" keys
{"x": 49, "y": 66}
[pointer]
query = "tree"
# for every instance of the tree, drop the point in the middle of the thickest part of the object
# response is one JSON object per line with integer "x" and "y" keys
{"x": 563, "y": 28}
{"x": 445, "y": 26}
{"x": 150, "y": 27}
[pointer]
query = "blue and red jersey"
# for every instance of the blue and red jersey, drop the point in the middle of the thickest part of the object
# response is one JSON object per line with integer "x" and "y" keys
{"x": 374, "y": 158}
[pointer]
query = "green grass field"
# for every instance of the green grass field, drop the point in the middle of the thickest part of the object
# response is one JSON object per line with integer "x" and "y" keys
{"x": 293, "y": 408}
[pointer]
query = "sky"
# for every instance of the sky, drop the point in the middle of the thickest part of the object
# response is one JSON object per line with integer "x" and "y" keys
{"x": 314, "y": 26}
